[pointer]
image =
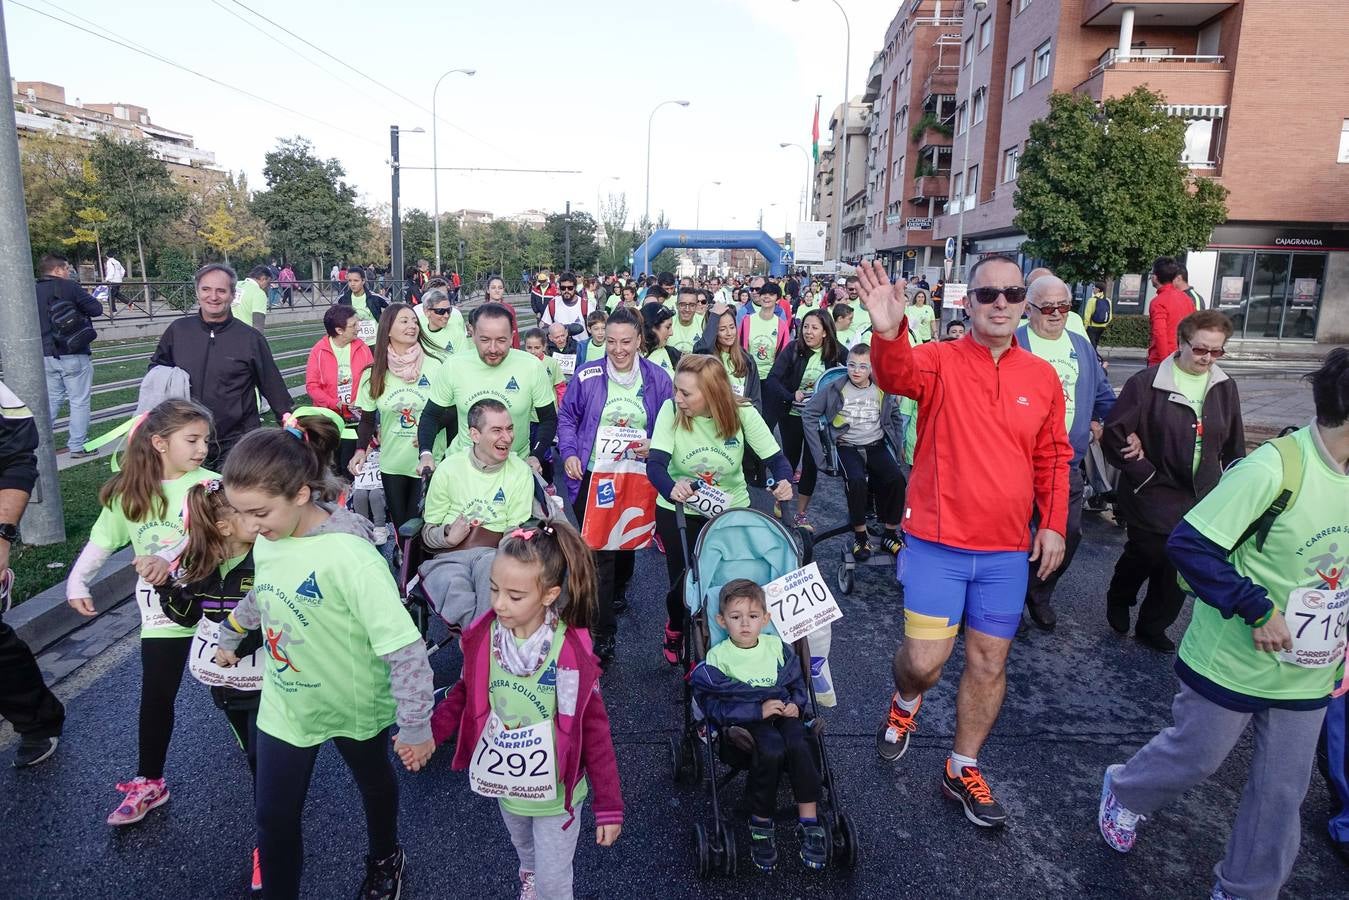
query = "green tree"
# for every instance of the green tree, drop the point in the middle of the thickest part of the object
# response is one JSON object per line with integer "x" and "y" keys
{"x": 90, "y": 218}
{"x": 419, "y": 237}
{"x": 172, "y": 264}
{"x": 584, "y": 249}
{"x": 618, "y": 240}
{"x": 1101, "y": 189}
{"x": 51, "y": 164}
{"x": 310, "y": 210}
{"x": 138, "y": 194}
{"x": 537, "y": 249}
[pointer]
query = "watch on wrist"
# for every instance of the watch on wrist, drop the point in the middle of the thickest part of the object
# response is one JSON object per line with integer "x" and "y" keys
{"x": 9, "y": 532}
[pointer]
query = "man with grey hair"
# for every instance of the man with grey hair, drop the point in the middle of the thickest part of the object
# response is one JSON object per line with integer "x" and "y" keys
{"x": 227, "y": 362}
{"x": 1073, "y": 321}
{"x": 1087, "y": 397}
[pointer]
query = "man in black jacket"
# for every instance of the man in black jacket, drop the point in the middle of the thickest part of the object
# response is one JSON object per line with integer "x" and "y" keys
{"x": 229, "y": 363}
{"x": 25, "y": 700}
{"x": 69, "y": 369}
{"x": 1174, "y": 429}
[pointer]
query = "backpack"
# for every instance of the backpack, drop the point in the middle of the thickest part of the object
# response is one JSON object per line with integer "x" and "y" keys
{"x": 1290, "y": 457}
{"x": 72, "y": 331}
{"x": 585, "y": 307}
{"x": 1101, "y": 310}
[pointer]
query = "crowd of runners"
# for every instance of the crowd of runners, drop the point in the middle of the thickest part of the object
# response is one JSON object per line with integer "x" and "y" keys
{"x": 525, "y": 467}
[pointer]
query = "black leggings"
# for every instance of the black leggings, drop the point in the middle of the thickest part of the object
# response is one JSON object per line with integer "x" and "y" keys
{"x": 668, "y": 530}
{"x": 780, "y": 743}
{"x": 162, "y": 664}
{"x": 284, "y": 771}
{"x": 401, "y": 496}
{"x": 797, "y": 453}
{"x": 873, "y": 470}
{"x": 241, "y": 711}
{"x": 613, "y": 571}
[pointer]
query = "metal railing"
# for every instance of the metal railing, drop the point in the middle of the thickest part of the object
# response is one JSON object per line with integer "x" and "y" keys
{"x": 1113, "y": 59}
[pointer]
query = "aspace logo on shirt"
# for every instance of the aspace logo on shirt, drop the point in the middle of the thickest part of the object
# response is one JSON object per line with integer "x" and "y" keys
{"x": 512, "y": 385}
{"x": 309, "y": 590}
{"x": 500, "y": 496}
{"x": 423, "y": 382}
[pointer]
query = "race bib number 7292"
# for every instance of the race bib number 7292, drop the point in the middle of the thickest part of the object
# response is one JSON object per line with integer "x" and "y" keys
{"x": 519, "y": 763}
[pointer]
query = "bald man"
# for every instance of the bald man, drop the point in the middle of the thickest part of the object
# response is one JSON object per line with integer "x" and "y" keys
{"x": 1073, "y": 321}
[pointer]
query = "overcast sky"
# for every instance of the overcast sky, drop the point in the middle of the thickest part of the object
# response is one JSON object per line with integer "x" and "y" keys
{"x": 560, "y": 84}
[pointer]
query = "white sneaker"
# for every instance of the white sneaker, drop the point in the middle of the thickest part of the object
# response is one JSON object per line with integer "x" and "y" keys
{"x": 381, "y": 536}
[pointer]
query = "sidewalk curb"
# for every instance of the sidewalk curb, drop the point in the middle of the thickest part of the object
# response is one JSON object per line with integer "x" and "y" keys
{"x": 46, "y": 618}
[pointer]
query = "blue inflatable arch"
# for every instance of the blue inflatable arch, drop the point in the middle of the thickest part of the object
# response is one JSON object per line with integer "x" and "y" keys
{"x": 779, "y": 260}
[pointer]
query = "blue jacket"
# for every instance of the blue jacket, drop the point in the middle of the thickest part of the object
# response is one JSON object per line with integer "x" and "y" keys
{"x": 1092, "y": 392}
{"x": 578, "y": 421}
{"x": 726, "y": 701}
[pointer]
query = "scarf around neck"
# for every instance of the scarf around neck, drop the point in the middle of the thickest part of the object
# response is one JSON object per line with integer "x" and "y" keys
{"x": 407, "y": 366}
{"x": 623, "y": 379}
{"x": 524, "y": 658}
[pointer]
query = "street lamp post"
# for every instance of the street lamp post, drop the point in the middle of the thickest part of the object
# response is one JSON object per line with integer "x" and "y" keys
{"x": 958, "y": 270}
{"x": 841, "y": 178}
{"x": 646, "y": 214}
{"x": 805, "y": 192}
{"x": 396, "y": 245}
{"x": 435, "y": 157}
{"x": 698, "y": 216}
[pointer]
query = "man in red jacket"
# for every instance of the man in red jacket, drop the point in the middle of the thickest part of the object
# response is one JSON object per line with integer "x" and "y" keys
{"x": 992, "y": 450}
{"x": 1169, "y": 306}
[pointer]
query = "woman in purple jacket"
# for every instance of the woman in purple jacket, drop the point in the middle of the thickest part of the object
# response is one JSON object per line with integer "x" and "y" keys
{"x": 622, "y": 389}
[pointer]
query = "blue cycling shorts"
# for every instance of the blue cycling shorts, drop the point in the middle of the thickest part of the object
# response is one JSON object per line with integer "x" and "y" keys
{"x": 942, "y": 585}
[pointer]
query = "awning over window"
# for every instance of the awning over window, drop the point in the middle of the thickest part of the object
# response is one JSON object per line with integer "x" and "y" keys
{"x": 1196, "y": 111}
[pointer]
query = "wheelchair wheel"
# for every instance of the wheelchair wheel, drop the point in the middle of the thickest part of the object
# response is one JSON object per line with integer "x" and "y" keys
{"x": 704, "y": 851}
{"x": 726, "y": 837}
{"x": 845, "y": 849}
{"x": 846, "y": 577}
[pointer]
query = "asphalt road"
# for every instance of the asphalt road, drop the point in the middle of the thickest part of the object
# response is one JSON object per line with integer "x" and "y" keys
{"x": 1078, "y": 700}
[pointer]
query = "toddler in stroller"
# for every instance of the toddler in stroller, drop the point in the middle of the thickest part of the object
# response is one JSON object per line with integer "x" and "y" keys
{"x": 752, "y": 685}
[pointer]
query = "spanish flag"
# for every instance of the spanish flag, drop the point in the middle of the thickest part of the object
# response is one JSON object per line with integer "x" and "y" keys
{"x": 815, "y": 132}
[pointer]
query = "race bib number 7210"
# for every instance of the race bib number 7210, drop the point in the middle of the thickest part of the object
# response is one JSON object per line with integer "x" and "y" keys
{"x": 800, "y": 603}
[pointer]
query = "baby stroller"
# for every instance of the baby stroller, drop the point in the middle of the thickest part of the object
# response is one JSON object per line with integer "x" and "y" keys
{"x": 741, "y": 543}
{"x": 829, "y": 465}
{"x": 409, "y": 555}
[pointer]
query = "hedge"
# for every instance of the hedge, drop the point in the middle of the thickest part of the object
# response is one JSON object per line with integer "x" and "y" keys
{"x": 1127, "y": 331}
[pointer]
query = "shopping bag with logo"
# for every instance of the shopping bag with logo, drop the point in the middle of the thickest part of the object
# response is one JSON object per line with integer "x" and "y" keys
{"x": 621, "y": 500}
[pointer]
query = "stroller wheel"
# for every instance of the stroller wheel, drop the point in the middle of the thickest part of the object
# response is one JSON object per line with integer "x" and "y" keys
{"x": 693, "y": 758}
{"x": 704, "y": 851}
{"x": 846, "y": 578}
{"x": 683, "y": 761}
{"x": 726, "y": 837}
{"x": 676, "y": 760}
{"x": 846, "y": 850}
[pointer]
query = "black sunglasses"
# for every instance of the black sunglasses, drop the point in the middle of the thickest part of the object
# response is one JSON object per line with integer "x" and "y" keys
{"x": 568, "y": 287}
{"x": 441, "y": 310}
{"x": 987, "y": 295}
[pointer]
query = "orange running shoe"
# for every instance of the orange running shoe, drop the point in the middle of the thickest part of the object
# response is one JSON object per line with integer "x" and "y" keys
{"x": 971, "y": 791}
{"x": 892, "y": 738}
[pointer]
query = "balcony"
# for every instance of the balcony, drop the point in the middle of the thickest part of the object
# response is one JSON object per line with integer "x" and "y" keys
{"x": 936, "y": 186}
{"x": 941, "y": 82}
{"x": 1198, "y": 80}
{"x": 1159, "y": 13}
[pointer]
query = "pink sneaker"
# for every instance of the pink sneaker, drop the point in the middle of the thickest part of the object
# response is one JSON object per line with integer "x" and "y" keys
{"x": 142, "y": 795}
{"x": 673, "y": 648}
{"x": 255, "y": 885}
{"x": 527, "y": 888}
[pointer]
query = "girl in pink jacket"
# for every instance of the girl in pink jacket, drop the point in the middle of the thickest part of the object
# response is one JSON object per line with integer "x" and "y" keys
{"x": 533, "y": 730}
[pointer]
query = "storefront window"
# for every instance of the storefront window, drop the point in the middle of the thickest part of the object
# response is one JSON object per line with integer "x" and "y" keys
{"x": 1270, "y": 295}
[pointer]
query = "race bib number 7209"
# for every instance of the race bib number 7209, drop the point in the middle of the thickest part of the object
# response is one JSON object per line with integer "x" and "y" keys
{"x": 800, "y": 603}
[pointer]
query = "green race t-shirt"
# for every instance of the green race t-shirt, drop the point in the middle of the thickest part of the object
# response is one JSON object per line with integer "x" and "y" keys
{"x": 920, "y": 318}
{"x": 1061, "y": 355}
{"x": 861, "y": 319}
{"x": 112, "y": 531}
{"x": 624, "y": 407}
{"x": 661, "y": 357}
{"x": 683, "y": 337}
{"x": 1192, "y": 387}
{"x": 1306, "y": 551}
{"x": 814, "y": 369}
{"x": 362, "y": 307}
{"x": 330, "y": 610}
{"x": 763, "y": 343}
{"x": 450, "y": 338}
{"x": 520, "y": 382}
{"x": 252, "y": 300}
{"x": 400, "y": 408}
{"x": 345, "y": 389}
{"x": 702, "y": 455}
{"x": 521, "y": 701}
{"x": 1076, "y": 325}
{"x": 498, "y": 500}
{"x": 755, "y": 666}
{"x": 737, "y": 383}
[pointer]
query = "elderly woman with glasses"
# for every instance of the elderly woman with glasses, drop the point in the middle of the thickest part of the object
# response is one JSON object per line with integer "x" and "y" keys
{"x": 442, "y": 322}
{"x": 1174, "y": 429}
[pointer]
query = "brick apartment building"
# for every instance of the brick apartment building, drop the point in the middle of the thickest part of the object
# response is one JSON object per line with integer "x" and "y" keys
{"x": 825, "y": 201}
{"x": 1267, "y": 114}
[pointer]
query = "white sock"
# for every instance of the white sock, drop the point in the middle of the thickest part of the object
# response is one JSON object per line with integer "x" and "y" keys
{"x": 908, "y": 705}
{"x": 959, "y": 762}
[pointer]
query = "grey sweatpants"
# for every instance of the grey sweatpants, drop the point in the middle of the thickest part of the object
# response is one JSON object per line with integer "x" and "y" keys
{"x": 370, "y": 503}
{"x": 546, "y": 849}
{"x": 1268, "y": 830}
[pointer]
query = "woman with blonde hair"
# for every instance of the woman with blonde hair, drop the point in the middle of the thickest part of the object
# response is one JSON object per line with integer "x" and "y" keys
{"x": 697, "y": 459}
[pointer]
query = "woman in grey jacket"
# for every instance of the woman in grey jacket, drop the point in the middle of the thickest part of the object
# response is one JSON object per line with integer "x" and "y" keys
{"x": 721, "y": 340}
